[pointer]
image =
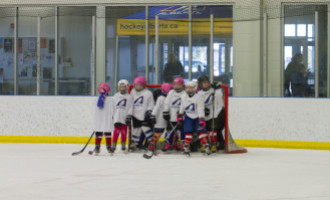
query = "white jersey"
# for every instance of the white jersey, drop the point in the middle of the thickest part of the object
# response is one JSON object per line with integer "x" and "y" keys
{"x": 142, "y": 102}
{"x": 122, "y": 106}
{"x": 173, "y": 103}
{"x": 158, "y": 112}
{"x": 103, "y": 117}
{"x": 193, "y": 107}
{"x": 208, "y": 97}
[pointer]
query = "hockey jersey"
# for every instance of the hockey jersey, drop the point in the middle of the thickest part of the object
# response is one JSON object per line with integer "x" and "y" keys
{"x": 193, "y": 106}
{"x": 172, "y": 103}
{"x": 208, "y": 97}
{"x": 142, "y": 101}
{"x": 103, "y": 117}
{"x": 158, "y": 112}
{"x": 122, "y": 107}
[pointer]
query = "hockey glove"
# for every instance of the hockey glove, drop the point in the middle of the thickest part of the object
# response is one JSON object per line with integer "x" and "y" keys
{"x": 216, "y": 85}
{"x": 179, "y": 119}
{"x": 207, "y": 111}
{"x": 202, "y": 123}
{"x": 166, "y": 116}
{"x": 128, "y": 120}
{"x": 147, "y": 115}
{"x": 153, "y": 119}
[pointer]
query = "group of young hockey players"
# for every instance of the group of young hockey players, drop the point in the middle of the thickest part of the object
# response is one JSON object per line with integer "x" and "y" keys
{"x": 190, "y": 117}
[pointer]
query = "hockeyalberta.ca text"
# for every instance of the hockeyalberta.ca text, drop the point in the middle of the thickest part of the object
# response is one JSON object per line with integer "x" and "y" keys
{"x": 151, "y": 26}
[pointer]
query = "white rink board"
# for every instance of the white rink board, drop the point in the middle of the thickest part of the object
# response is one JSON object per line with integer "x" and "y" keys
{"x": 45, "y": 115}
{"x": 285, "y": 119}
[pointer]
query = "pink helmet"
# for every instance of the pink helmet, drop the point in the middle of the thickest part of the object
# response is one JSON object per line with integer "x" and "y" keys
{"x": 166, "y": 87}
{"x": 178, "y": 80}
{"x": 140, "y": 80}
{"x": 104, "y": 88}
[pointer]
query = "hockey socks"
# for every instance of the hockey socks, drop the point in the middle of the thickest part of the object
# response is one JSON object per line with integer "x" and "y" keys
{"x": 121, "y": 130}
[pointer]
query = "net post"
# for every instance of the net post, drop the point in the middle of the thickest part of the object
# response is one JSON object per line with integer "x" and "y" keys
{"x": 225, "y": 87}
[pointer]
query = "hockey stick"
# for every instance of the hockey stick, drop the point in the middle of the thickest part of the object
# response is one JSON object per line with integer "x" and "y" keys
{"x": 83, "y": 149}
{"x": 154, "y": 152}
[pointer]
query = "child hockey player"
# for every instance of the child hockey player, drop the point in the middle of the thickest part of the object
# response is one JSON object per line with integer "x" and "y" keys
{"x": 123, "y": 108}
{"x": 157, "y": 115}
{"x": 191, "y": 114}
{"x": 171, "y": 108}
{"x": 214, "y": 103}
{"x": 143, "y": 103}
{"x": 103, "y": 118}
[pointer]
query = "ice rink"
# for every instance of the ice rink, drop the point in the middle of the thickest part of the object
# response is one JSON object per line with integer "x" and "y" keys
{"x": 48, "y": 171}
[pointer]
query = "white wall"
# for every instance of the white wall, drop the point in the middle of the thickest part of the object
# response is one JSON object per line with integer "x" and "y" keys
{"x": 49, "y": 116}
{"x": 291, "y": 119}
{"x": 249, "y": 118}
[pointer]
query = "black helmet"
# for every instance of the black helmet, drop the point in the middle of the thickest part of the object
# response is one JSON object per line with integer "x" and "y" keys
{"x": 202, "y": 79}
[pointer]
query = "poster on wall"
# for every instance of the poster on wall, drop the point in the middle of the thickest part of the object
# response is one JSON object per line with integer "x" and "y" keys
{"x": 43, "y": 43}
{"x": 32, "y": 45}
{"x": 8, "y": 45}
{"x": 20, "y": 45}
{"x": 47, "y": 73}
{"x": 51, "y": 46}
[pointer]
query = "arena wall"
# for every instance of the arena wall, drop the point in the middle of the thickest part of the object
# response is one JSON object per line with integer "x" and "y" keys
{"x": 254, "y": 122}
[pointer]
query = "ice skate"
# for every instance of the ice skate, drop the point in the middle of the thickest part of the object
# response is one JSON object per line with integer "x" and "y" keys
{"x": 167, "y": 147}
{"x": 207, "y": 149}
{"x": 97, "y": 149}
{"x": 123, "y": 146}
{"x": 186, "y": 150}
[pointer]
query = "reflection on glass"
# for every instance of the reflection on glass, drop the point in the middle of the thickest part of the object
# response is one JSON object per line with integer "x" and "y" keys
{"x": 7, "y": 51}
{"x": 75, "y": 50}
{"x": 173, "y": 42}
{"x": 27, "y": 50}
{"x": 299, "y": 44}
{"x": 310, "y": 30}
{"x": 287, "y": 55}
{"x": 290, "y": 30}
{"x": 301, "y": 30}
{"x": 125, "y": 26}
{"x": 221, "y": 44}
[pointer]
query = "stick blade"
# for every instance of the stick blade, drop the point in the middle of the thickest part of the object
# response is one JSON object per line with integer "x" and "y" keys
{"x": 146, "y": 156}
{"x": 76, "y": 153}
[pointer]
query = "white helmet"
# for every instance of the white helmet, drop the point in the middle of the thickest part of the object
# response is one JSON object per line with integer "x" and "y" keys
{"x": 192, "y": 84}
{"x": 123, "y": 82}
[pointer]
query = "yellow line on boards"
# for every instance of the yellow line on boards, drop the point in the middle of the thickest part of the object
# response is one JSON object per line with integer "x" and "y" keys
{"x": 284, "y": 144}
{"x": 244, "y": 143}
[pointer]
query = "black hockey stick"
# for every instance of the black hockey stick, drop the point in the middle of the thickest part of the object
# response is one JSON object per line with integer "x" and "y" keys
{"x": 83, "y": 149}
{"x": 154, "y": 152}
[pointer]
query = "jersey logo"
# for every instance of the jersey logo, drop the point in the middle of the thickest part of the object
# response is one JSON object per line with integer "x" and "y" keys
{"x": 138, "y": 101}
{"x": 176, "y": 103}
{"x": 209, "y": 99}
{"x": 190, "y": 108}
{"x": 122, "y": 103}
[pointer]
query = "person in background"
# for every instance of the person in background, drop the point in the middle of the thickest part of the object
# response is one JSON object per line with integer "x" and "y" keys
{"x": 172, "y": 69}
{"x": 292, "y": 68}
{"x": 299, "y": 84}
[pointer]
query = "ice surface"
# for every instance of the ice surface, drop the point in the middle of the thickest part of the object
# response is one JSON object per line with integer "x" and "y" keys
{"x": 48, "y": 171}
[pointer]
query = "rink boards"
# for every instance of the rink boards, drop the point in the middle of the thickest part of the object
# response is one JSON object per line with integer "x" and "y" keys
{"x": 254, "y": 122}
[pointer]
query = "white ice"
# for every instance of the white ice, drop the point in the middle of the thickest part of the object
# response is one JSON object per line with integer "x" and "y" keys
{"x": 48, "y": 171}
